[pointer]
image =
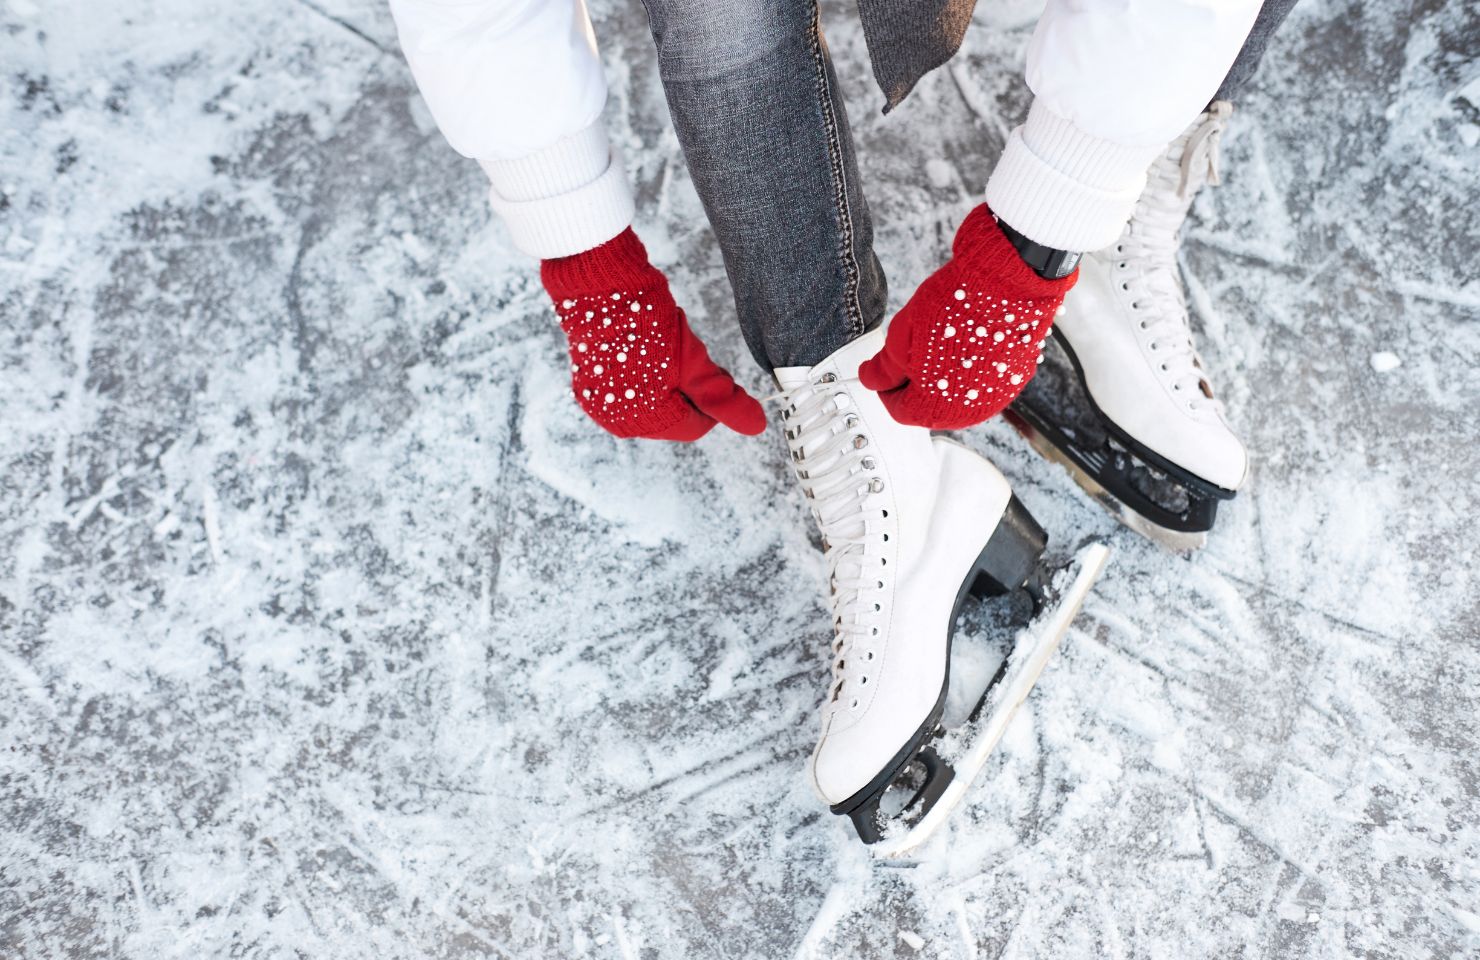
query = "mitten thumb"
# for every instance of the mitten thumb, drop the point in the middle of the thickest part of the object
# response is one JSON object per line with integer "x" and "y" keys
{"x": 711, "y": 388}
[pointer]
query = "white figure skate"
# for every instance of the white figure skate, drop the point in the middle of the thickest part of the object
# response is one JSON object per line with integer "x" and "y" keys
{"x": 1124, "y": 401}
{"x": 911, "y": 525}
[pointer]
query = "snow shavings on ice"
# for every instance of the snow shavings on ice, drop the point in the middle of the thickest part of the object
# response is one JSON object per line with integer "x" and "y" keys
{"x": 329, "y": 626}
{"x": 1384, "y": 361}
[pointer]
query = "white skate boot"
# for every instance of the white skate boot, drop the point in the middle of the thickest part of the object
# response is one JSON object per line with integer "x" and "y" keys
{"x": 1152, "y": 443}
{"x": 910, "y": 525}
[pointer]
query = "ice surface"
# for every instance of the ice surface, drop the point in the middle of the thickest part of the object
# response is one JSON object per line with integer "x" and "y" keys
{"x": 332, "y": 629}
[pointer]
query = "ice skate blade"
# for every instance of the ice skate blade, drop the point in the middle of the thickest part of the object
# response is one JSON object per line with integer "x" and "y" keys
{"x": 1031, "y": 654}
{"x": 1177, "y": 541}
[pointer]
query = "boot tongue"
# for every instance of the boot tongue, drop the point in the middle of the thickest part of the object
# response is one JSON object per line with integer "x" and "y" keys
{"x": 844, "y": 361}
{"x": 789, "y": 378}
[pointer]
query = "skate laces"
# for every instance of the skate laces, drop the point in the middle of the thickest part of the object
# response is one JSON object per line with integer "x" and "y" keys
{"x": 1149, "y": 246}
{"x": 1200, "y": 153}
{"x": 832, "y": 459}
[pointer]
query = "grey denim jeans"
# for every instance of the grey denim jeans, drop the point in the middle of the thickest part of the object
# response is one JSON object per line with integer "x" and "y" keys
{"x": 757, "y": 110}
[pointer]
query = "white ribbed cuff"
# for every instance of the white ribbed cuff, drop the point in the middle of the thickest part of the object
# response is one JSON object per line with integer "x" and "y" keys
{"x": 565, "y": 199}
{"x": 568, "y": 164}
{"x": 1065, "y": 188}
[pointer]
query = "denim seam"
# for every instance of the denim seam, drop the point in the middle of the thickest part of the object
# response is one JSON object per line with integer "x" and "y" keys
{"x": 851, "y": 272}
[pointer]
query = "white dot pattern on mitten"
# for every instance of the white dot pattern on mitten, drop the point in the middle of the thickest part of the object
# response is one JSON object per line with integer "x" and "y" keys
{"x": 620, "y": 348}
{"x": 987, "y": 365}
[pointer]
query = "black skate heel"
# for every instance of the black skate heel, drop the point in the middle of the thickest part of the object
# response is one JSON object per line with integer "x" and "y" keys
{"x": 925, "y": 777}
{"x": 1009, "y": 561}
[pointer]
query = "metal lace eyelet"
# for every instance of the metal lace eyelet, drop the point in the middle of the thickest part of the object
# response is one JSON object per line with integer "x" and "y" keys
{"x": 876, "y": 485}
{"x": 842, "y": 401}
{"x": 849, "y": 422}
{"x": 868, "y": 463}
{"x": 829, "y": 378}
{"x": 859, "y": 442}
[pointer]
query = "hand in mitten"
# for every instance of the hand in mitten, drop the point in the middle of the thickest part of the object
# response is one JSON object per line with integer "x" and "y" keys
{"x": 636, "y": 367}
{"x": 971, "y": 337}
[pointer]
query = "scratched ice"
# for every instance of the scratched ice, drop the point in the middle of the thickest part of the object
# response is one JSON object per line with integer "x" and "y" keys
{"x": 329, "y": 627}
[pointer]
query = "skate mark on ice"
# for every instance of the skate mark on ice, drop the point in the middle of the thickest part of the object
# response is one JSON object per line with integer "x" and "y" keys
{"x": 1150, "y": 666}
{"x": 726, "y": 842}
{"x": 1214, "y": 327}
{"x": 963, "y": 926}
{"x": 1040, "y": 773}
{"x": 29, "y": 683}
{"x": 1103, "y": 614}
{"x": 986, "y": 113}
{"x": 1245, "y": 254}
{"x": 1183, "y": 698}
{"x": 806, "y": 679}
{"x": 306, "y": 339}
{"x": 167, "y": 242}
{"x": 347, "y": 26}
{"x": 1011, "y": 946}
{"x": 87, "y": 506}
{"x": 1108, "y": 926}
{"x": 623, "y": 942}
{"x": 1242, "y": 825}
{"x": 769, "y": 761}
{"x": 1467, "y": 296}
{"x": 360, "y": 846}
{"x": 786, "y": 732}
{"x": 291, "y": 868}
{"x": 1245, "y": 829}
{"x": 1202, "y": 835}
{"x": 829, "y": 914}
{"x": 1266, "y": 590}
{"x": 513, "y": 444}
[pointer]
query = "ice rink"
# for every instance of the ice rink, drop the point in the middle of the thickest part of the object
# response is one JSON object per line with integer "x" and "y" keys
{"x": 331, "y": 628}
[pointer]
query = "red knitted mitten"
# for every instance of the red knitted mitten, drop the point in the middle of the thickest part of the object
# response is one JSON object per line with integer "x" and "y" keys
{"x": 971, "y": 337}
{"x": 636, "y": 367}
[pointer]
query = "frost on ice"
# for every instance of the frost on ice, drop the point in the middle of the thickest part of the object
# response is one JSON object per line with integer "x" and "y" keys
{"x": 330, "y": 626}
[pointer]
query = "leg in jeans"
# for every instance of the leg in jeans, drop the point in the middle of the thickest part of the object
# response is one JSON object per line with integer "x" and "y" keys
{"x": 757, "y": 110}
{"x": 1271, "y": 15}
